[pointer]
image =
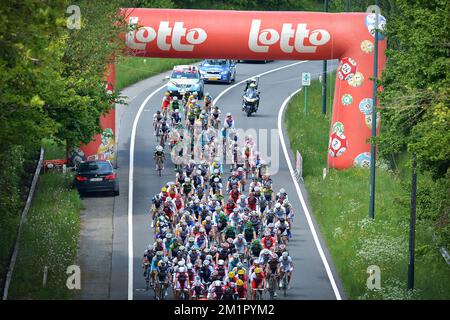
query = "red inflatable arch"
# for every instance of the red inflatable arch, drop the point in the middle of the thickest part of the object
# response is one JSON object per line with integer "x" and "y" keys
{"x": 348, "y": 37}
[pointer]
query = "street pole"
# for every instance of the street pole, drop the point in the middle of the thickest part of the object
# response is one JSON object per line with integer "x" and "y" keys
{"x": 374, "y": 122}
{"x": 306, "y": 99}
{"x": 412, "y": 224}
{"x": 324, "y": 78}
{"x": 347, "y": 5}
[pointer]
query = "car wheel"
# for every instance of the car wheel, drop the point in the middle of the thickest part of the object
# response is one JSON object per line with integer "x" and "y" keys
{"x": 116, "y": 192}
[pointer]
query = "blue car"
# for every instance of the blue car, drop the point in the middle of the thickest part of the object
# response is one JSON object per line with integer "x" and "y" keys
{"x": 221, "y": 70}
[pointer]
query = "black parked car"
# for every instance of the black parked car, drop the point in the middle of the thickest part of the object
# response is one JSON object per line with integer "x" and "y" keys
{"x": 96, "y": 176}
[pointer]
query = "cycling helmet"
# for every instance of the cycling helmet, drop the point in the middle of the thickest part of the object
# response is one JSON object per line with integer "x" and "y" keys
{"x": 241, "y": 273}
{"x": 169, "y": 199}
{"x": 231, "y": 274}
{"x": 257, "y": 270}
{"x": 220, "y": 262}
{"x": 240, "y": 283}
{"x": 181, "y": 263}
{"x": 285, "y": 254}
{"x": 228, "y": 114}
{"x": 278, "y": 205}
{"x": 217, "y": 283}
{"x": 175, "y": 98}
{"x": 189, "y": 266}
{"x": 206, "y": 262}
{"x": 181, "y": 269}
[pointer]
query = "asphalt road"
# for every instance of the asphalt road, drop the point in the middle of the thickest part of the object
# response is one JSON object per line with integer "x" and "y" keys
{"x": 310, "y": 279}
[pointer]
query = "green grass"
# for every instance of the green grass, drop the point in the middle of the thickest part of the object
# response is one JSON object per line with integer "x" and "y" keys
{"x": 340, "y": 205}
{"x": 133, "y": 69}
{"x": 49, "y": 238}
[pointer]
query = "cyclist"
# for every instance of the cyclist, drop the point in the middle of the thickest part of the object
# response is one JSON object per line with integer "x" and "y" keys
{"x": 165, "y": 103}
{"x": 229, "y": 122}
{"x": 257, "y": 281}
{"x": 215, "y": 117}
{"x": 272, "y": 270}
{"x": 286, "y": 266}
{"x": 174, "y": 104}
{"x": 162, "y": 277}
{"x": 156, "y": 259}
{"x": 216, "y": 291}
{"x": 249, "y": 232}
{"x": 175, "y": 118}
{"x": 181, "y": 282}
{"x": 157, "y": 117}
{"x": 240, "y": 245}
{"x": 256, "y": 248}
{"x": 241, "y": 289}
{"x": 208, "y": 102}
{"x": 268, "y": 241}
{"x": 198, "y": 290}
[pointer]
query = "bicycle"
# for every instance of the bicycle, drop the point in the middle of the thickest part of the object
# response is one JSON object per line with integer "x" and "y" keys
{"x": 161, "y": 289}
{"x": 259, "y": 293}
{"x": 284, "y": 283}
{"x": 183, "y": 294}
{"x": 272, "y": 285}
{"x": 157, "y": 128}
{"x": 159, "y": 165}
{"x": 147, "y": 275}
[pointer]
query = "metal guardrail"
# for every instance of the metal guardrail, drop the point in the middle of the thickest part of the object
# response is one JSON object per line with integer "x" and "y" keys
{"x": 23, "y": 218}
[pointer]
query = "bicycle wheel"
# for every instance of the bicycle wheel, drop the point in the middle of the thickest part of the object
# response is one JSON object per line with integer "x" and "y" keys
{"x": 285, "y": 284}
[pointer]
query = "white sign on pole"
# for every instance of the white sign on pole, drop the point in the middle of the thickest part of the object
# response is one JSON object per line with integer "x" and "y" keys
{"x": 306, "y": 78}
{"x": 299, "y": 165}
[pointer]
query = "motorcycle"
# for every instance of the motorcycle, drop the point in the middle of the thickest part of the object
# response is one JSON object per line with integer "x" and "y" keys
{"x": 250, "y": 102}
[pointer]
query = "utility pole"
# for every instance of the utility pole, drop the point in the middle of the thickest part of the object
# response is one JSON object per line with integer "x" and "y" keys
{"x": 347, "y": 5}
{"x": 374, "y": 119}
{"x": 324, "y": 78}
{"x": 412, "y": 224}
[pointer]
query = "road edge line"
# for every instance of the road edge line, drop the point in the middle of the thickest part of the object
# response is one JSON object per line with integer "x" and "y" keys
{"x": 302, "y": 200}
{"x": 130, "y": 191}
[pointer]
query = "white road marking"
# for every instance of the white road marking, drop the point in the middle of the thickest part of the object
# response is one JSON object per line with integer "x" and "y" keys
{"x": 302, "y": 200}
{"x": 130, "y": 192}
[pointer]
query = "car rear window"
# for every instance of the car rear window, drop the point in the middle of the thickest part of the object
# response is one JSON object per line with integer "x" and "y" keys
{"x": 100, "y": 167}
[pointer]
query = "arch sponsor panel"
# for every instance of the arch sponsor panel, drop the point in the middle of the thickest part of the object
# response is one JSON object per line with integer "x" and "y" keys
{"x": 256, "y": 35}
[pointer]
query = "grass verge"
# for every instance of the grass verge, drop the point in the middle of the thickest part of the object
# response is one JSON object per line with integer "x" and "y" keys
{"x": 340, "y": 205}
{"x": 49, "y": 238}
{"x": 133, "y": 69}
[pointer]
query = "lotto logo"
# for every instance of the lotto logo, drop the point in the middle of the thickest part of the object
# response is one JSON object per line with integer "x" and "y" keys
{"x": 261, "y": 40}
{"x": 178, "y": 34}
